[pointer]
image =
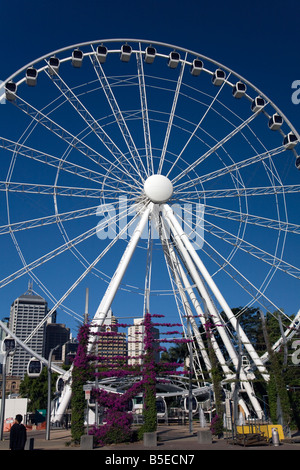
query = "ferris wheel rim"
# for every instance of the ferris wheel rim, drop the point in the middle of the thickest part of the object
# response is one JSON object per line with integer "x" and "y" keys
{"x": 157, "y": 43}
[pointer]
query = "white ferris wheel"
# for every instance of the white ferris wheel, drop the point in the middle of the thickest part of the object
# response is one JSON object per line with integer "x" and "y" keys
{"x": 158, "y": 177}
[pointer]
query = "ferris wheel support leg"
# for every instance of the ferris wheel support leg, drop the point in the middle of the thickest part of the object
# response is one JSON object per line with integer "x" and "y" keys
{"x": 168, "y": 212}
{"x": 212, "y": 285}
{"x": 183, "y": 285}
{"x": 205, "y": 296}
{"x": 180, "y": 235}
{"x": 114, "y": 284}
{"x": 107, "y": 299}
{"x": 201, "y": 315}
{"x": 57, "y": 416}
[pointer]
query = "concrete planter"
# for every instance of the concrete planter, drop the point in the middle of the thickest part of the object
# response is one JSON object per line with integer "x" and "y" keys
{"x": 204, "y": 436}
{"x": 87, "y": 442}
{"x": 150, "y": 439}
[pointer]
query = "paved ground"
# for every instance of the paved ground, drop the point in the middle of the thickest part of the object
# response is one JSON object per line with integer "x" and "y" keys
{"x": 175, "y": 440}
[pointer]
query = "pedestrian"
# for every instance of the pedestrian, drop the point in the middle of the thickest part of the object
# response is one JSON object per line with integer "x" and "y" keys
{"x": 18, "y": 434}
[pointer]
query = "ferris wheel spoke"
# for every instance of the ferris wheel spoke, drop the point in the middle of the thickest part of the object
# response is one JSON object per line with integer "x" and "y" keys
{"x": 136, "y": 158}
{"x": 213, "y": 149}
{"x": 252, "y": 219}
{"x": 51, "y": 160}
{"x": 225, "y": 263}
{"x": 68, "y": 245}
{"x": 65, "y": 135}
{"x": 50, "y": 296}
{"x": 82, "y": 277}
{"x": 92, "y": 123}
{"x": 46, "y": 291}
{"x": 239, "y": 192}
{"x": 47, "y": 220}
{"x": 54, "y": 190}
{"x": 197, "y": 127}
{"x": 47, "y": 257}
{"x": 230, "y": 168}
{"x": 268, "y": 258}
{"x": 145, "y": 115}
{"x": 115, "y": 218}
{"x": 171, "y": 117}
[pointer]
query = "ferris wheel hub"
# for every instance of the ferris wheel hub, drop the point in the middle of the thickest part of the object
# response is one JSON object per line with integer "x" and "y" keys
{"x": 158, "y": 188}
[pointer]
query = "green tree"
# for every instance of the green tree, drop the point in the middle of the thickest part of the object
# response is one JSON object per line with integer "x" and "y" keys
{"x": 216, "y": 376}
{"x": 279, "y": 403}
{"x": 82, "y": 372}
{"x": 36, "y": 390}
{"x": 149, "y": 379}
{"x": 176, "y": 353}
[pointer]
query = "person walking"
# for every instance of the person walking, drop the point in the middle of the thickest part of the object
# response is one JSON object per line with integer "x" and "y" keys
{"x": 18, "y": 434}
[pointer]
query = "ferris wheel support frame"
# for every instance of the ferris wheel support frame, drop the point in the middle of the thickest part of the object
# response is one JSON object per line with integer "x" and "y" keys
{"x": 179, "y": 236}
{"x": 212, "y": 285}
{"x": 114, "y": 284}
{"x": 105, "y": 305}
{"x": 110, "y": 293}
{"x": 183, "y": 286}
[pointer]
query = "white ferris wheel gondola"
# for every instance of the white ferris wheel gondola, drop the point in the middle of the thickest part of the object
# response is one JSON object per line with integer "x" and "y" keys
{"x": 196, "y": 67}
{"x": 174, "y": 59}
{"x": 34, "y": 367}
{"x": 239, "y": 90}
{"x": 31, "y": 76}
{"x": 218, "y": 77}
{"x": 101, "y": 53}
{"x": 126, "y": 51}
{"x": 8, "y": 344}
{"x": 77, "y": 58}
{"x": 150, "y": 54}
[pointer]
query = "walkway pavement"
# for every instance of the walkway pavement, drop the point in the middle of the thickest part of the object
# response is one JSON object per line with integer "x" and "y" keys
{"x": 175, "y": 440}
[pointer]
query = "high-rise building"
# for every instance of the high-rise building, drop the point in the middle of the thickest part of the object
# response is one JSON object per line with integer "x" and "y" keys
{"x": 56, "y": 334}
{"x": 69, "y": 351}
{"x": 136, "y": 342}
{"x": 26, "y": 312}
{"x": 111, "y": 343}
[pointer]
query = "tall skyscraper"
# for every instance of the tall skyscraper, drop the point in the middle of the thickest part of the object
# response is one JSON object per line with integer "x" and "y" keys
{"x": 136, "y": 342}
{"x": 110, "y": 342}
{"x": 26, "y": 312}
{"x": 56, "y": 333}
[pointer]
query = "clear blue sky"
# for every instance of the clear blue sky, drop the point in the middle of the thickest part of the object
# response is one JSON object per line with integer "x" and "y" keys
{"x": 257, "y": 39}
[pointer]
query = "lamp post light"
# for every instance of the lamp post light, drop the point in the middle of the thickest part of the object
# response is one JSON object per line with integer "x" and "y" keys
{"x": 49, "y": 392}
{"x": 190, "y": 396}
{"x": 8, "y": 347}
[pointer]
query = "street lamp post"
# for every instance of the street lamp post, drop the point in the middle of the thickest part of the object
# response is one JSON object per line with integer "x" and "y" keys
{"x": 190, "y": 349}
{"x": 49, "y": 392}
{"x": 8, "y": 346}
